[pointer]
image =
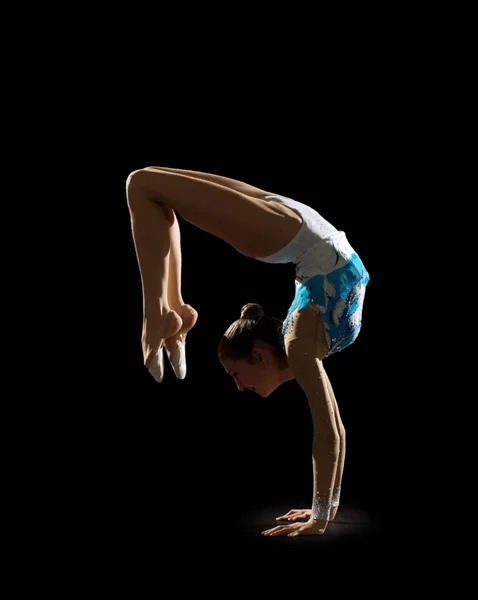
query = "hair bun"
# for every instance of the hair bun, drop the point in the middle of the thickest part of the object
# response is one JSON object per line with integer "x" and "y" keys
{"x": 252, "y": 311}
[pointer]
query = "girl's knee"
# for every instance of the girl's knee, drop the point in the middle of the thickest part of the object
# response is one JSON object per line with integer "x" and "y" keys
{"x": 133, "y": 179}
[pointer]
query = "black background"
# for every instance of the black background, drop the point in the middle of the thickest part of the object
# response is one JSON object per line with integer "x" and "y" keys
{"x": 183, "y": 463}
{"x": 179, "y": 450}
{"x": 357, "y": 122}
{"x": 199, "y": 447}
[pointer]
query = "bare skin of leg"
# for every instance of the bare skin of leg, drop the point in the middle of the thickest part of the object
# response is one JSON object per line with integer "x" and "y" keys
{"x": 238, "y": 186}
{"x": 233, "y": 184}
{"x": 187, "y": 313}
{"x": 238, "y": 219}
{"x": 227, "y": 213}
{"x": 151, "y": 235}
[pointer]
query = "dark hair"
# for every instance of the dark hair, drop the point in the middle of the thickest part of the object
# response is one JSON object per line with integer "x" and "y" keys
{"x": 252, "y": 326}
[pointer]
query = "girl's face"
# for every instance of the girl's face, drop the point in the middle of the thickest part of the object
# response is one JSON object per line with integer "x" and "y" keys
{"x": 261, "y": 377}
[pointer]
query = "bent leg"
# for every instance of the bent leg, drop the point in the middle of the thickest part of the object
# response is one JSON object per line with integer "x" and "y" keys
{"x": 252, "y": 226}
{"x": 151, "y": 236}
{"x": 175, "y": 345}
{"x": 233, "y": 184}
{"x": 175, "y": 298}
{"x": 248, "y": 224}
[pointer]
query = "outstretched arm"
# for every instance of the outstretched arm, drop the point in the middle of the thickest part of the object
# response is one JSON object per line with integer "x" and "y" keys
{"x": 302, "y": 354}
{"x": 325, "y": 446}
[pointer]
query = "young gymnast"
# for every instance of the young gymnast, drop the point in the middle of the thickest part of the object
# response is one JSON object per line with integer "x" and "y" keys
{"x": 259, "y": 351}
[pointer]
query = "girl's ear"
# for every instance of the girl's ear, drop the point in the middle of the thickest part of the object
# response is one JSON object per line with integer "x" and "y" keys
{"x": 259, "y": 357}
{"x": 256, "y": 353}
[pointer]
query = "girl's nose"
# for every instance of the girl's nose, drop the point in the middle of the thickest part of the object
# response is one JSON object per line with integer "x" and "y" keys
{"x": 240, "y": 386}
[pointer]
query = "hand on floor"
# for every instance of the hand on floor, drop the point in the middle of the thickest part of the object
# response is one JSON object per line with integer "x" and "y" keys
{"x": 311, "y": 527}
{"x": 296, "y": 514}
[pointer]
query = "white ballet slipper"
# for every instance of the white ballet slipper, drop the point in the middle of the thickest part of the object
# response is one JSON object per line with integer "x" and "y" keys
{"x": 156, "y": 368}
{"x": 177, "y": 358}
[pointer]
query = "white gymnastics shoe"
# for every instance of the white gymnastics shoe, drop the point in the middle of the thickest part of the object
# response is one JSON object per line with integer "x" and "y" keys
{"x": 156, "y": 368}
{"x": 177, "y": 358}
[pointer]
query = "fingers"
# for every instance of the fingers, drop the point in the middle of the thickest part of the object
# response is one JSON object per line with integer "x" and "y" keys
{"x": 283, "y": 530}
{"x": 295, "y": 515}
{"x": 287, "y": 515}
{"x": 283, "y": 518}
{"x": 317, "y": 528}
